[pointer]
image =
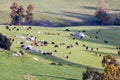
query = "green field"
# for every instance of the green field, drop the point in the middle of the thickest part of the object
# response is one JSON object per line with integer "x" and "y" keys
{"x": 77, "y": 12}
{"x": 65, "y": 11}
{"x": 13, "y": 68}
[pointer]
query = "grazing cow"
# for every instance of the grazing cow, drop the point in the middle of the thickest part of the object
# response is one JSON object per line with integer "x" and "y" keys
{"x": 67, "y": 57}
{"x": 60, "y": 44}
{"x": 17, "y": 29}
{"x": 86, "y": 47}
{"x": 71, "y": 35}
{"x": 53, "y": 63}
{"x": 56, "y": 46}
{"x": 84, "y": 31}
{"x": 9, "y": 29}
{"x": 70, "y": 52}
{"x": 96, "y": 37}
{"x": 58, "y": 34}
{"x": 10, "y": 24}
{"x": 96, "y": 53}
{"x": 83, "y": 45}
{"x": 76, "y": 43}
{"x": 6, "y": 27}
{"x": 27, "y": 48}
{"x": 52, "y": 42}
{"x": 52, "y": 33}
{"x": 71, "y": 45}
{"x": 67, "y": 30}
{"x": 105, "y": 41}
{"x": 13, "y": 40}
{"x": 63, "y": 43}
{"x": 27, "y": 28}
{"x": 96, "y": 32}
{"x": 21, "y": 52}
{"x": 55, "y": 51}
{"x": 49, "y": 53}
{"x": 67, "y": 47}
{"x": 73, "y": 38}
{"x": 30, "y": 27}
{"x": 45, "y": 42}
{"x": 91, "y": 49}
{"x": 118, "y": 47}
{"x": 100, "y": 55}
{"x": 118, "y": 52}
{"x": 99, "y": 30}
{"x": 97, "y": 49}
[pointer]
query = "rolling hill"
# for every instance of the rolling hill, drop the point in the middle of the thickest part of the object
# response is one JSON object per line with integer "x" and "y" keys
{"x": 71, "y": 12}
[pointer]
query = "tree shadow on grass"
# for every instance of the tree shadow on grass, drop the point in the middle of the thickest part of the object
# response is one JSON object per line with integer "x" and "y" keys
{"x": 55, "y": 77}
{"x": 102, "y": 53}
{"x": 100, "y": 39}
{"x": 94, "y": 8}
{"x": 59, "y": 60}
{"x": 86, "y": 19}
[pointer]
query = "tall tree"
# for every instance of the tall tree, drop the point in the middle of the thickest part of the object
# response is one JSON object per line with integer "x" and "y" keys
{"x": 20, "y": 13}
{"x": 111, "y": 71}
{"x": 29, "y": 14}
{"x": 13, "y": 13}
{"x": 117, "y": 19}
{"x": 102, "y": 12}
{"x": 17, "y": 13}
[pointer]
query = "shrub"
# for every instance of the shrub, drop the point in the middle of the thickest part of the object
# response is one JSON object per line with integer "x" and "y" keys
{"x": 5, "y": 42}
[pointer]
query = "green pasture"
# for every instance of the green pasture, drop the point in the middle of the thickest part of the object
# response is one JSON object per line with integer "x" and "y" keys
{"x": 14, "y": 68}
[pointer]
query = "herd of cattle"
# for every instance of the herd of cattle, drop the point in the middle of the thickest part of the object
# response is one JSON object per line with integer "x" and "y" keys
{"x": 30, "y": 41}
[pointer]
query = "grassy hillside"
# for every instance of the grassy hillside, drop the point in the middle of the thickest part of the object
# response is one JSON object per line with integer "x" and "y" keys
{"x": 13, "y": 68}
{"x": 66, "y": 11}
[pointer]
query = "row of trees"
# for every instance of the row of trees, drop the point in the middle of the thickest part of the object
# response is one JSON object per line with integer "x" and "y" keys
{"x": 19, "y": 15}
{"x": 111, "y": 71}
{"x": 104, "y": 16}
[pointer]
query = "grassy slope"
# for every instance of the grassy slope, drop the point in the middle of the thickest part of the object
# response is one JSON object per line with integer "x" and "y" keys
{"x": 58, "y": 10}
{"x": 13, "y": 68}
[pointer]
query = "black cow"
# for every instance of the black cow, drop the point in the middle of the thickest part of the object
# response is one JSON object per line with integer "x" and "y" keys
{"x": 76, "y": 43}
{"x": 105, "y": 41}
{"x": 56, "y": 46}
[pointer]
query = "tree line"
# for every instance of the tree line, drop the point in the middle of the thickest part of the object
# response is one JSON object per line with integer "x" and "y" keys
{"x": 19, "y": 15}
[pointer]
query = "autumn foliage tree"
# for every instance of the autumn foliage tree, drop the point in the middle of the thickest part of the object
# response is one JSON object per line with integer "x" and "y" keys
{"x": 13, "y": 14}
{"x": 111, "y": 71}
{"x": 112, "y": 68}
{"x": 29, "y": 14}
{"x": 102, "y": 12}
{"x": 18, "y": 15}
